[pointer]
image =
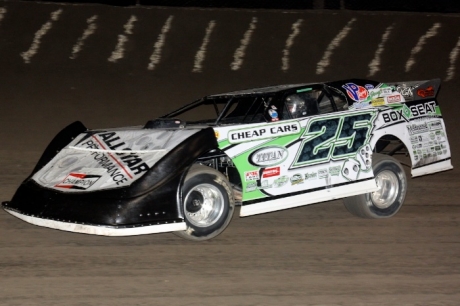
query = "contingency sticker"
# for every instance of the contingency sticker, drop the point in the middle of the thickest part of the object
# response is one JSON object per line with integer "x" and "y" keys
{"x": 80, "y": 181}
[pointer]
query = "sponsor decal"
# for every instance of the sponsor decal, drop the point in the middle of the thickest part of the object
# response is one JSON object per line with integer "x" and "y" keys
{"x": 355, "y": 92}
{"x": 117, "y": 172}
{"x": 374, "y": 93}
{"x": 322, "y": 173}
{"x": 270, "y": 172}
{"x": 405, "y": 113}
{"x": 397, "y": 115}
{"x": 335, "y": 171}
{"x": 423, "y": 109}
{"x": 116, "y": 164}
{"x": 394, "y": 99}
{"x": 435, "y": 125}
{"x": 311, "y": 176}
{"x": 359, "y": 105}
{"x": 79, "y": 181}
{"x": 378, "y": 102}
{"x": 268, "y": 156}
{"x": 386, "y": 91}
{"x": 112, "y": 142}
{"x": 426, "y": 92}
{"x": 380, "y": 92}
{"x": 369, "y": 86}
{"x": 406, "y": 91}
{"x": 251, "y": 175}
{"x": 417, "y": 128}
{"x": 251, "y": 186}
{"x": 297, "y": 179}
{"x": 263, "y": 132}
{"x": 265, "y": 185}
{"x": 281, "y": 181}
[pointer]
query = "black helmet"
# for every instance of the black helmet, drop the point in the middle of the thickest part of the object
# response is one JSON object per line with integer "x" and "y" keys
{"x": 295, "y": 105}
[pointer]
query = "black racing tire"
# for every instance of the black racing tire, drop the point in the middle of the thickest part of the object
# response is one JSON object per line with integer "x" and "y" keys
{"x": 207, "y": 203}
{"x": 385, "y": 202}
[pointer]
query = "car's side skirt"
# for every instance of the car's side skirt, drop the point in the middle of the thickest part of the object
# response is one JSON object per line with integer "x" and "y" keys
{"x": 101, "y": 230}
{"x": 309, "y": 198}
{"x": 437, "y": 166}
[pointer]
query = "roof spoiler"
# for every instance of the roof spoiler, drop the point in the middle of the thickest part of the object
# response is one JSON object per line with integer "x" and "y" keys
{"x": 417, "y": 90}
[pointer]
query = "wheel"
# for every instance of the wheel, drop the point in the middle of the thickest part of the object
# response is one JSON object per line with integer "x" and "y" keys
{"x": 385, "y": 202}
{"x": 207, "y": 203}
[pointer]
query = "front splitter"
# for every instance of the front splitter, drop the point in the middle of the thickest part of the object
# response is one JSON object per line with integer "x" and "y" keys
{"x": 101, "y": 230}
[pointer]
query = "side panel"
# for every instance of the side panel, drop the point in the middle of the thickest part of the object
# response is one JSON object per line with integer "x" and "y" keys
{"x": 309, "y": 197}
{"x": 419, "y": 125}
{"x": 290, "y": 163}
{"x": 328, "y": 155}
{"x": 409, "y": 111}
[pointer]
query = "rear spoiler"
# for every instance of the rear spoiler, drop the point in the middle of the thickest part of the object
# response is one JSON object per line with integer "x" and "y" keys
{"x": 417, "y": 90}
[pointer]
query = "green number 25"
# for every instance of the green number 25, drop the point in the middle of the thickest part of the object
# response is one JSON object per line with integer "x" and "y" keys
{"x": 334, "y": 137}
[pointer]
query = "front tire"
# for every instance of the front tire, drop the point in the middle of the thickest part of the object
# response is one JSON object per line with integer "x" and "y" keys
{"x": 207, "y": 203}
{"x": 385, "y": 202}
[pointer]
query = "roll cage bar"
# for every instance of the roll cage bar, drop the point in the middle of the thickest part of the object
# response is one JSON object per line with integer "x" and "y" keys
{"x": 245, "y": 110}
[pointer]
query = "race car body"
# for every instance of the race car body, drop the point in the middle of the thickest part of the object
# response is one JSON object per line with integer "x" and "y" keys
{"x": 266, "y": 149}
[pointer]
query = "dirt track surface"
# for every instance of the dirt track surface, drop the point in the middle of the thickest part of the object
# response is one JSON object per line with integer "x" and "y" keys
{"x": 314, "y": 255}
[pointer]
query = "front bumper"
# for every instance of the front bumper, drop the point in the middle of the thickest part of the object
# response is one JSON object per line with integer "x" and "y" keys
{"x": 98, "y": 229}
{"x": 149, "y": 205}
{"x": 98, "y": 213}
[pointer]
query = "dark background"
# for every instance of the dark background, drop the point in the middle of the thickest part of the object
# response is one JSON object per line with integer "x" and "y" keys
{"x": 443, "y": 6}
{"x": 313, "y": 255}
{"x": 41, "y": 97}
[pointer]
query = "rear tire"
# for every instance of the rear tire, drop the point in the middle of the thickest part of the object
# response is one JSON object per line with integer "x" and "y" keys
{"x": 207, "y": 203}
{"x": 385, "y": 202}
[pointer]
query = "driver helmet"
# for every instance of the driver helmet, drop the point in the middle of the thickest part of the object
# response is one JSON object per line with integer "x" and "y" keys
{"x": 296, "y": 106}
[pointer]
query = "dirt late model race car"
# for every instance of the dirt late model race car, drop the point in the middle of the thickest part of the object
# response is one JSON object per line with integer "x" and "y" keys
{"x": 265, "y": 149}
